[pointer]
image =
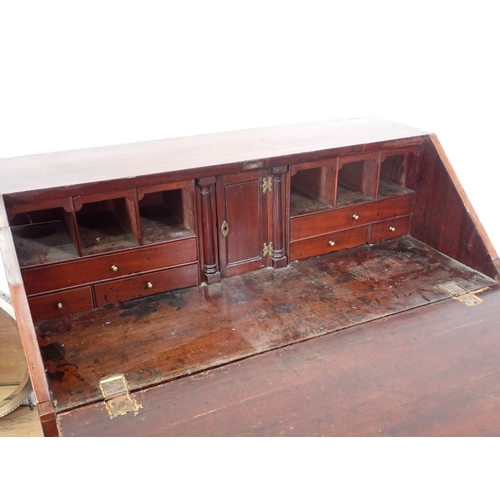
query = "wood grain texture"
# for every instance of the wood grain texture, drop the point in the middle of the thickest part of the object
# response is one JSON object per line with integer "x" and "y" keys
{"x": 315, "y": 184}
{"x": 391, "y": 228}
{"x": 431, "y": 371}
{"x": 343, "y": 218}
{"x": 333, "y": 242}
{"x": 99, "y": 268}
{"x": 30, "y": 345}
{"x": 67, "y": 168}
{"x": 278, "y": 219}
{"x": 182, "y": 190}
{"x": 244, "y": 206}
{"x": 443, "y": 216}
{"x": 207, "y": 230}
{"x": 159, "y": 338}
{"x": 145, "y": 284}
{"x": 54, "y": 305}
{"x": 358, "y": 176}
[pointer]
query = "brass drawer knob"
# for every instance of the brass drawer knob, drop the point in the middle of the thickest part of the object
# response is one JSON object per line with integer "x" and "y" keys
{"x": 59, "y": 305}
{"x": 355, "y": 216}
{"x": 149, "y": 284}
{"x": 392, "y": 229}
{"x": 331, "y": 243}
{"x": 114, "y": 268}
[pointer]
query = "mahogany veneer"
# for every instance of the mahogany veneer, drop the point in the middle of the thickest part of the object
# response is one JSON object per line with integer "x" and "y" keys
{"x": 163, "y": 259}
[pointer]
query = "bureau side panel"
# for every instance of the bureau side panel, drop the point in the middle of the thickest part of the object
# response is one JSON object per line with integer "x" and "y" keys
{"x": 443, "y": 215}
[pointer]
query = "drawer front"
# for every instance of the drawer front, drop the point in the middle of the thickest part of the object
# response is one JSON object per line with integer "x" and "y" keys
{"x": 320, "y": 245}
{"x": 55, "y": 305}
{"x": 145, "y": 284}
{"x": 94, "y": 269}
{"x": 388, "y": 229}
{"x": 344, "y": 218}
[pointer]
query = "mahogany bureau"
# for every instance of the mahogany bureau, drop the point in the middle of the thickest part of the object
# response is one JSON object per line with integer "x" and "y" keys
{"x": 134, "y": 266}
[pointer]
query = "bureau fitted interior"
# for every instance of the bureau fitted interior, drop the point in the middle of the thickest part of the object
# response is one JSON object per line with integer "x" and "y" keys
{"x": 88, "y": 251}
{"x": 166, "y": 274}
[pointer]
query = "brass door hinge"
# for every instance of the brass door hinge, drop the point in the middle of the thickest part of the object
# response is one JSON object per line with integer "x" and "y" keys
{"x": 268, "y": 249}
{"x": 461, "y": 294}
{"x": 117, "y": 397}
{"x": 267, "y": 185}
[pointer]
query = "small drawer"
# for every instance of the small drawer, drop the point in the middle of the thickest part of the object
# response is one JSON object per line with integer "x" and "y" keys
{"x": 55, "y": 305}
{"x": 320, "y": 245}
{"x": 145, "y": 284}
{"x": 113, "y": 265}
{"x": 344, "y": 218}
{"x": 388, "y": 229}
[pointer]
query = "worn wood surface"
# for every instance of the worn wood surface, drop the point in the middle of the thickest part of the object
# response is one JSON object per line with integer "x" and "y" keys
{"x": 313, "y": 189}
{"x": 388, "y": 189}
{"x": 431, "y": 371}
{"x": 303, "y": 203}
{"x": 43, "y": 243}
{"x": 162, "y": 337}
{"x": 443, "y": 216}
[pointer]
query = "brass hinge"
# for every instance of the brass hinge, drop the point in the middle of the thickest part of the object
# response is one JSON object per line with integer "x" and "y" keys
{"x": 461, "y": 294}
{"x": 267, "y": 185}
{"x": 117, "y": 397}
{"x": 268, "y": 249}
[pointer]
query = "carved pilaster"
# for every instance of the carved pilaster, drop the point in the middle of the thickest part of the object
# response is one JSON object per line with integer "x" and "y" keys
{"x": 278, "y": 256}
{"x": 210, "y": 268}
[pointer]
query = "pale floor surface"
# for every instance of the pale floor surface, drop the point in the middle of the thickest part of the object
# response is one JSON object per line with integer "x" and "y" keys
{"x": 22, "y": 422}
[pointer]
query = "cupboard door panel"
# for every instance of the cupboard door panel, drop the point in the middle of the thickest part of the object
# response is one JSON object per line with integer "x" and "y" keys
{"x": 243, "y": 212}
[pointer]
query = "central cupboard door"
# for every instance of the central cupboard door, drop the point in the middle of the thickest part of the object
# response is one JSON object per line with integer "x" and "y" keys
{"x": 243, "y": 206}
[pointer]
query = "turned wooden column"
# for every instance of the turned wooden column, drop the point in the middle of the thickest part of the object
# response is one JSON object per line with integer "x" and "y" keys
{"x": 210, "y": 268}
{"x": 278, "y": 256}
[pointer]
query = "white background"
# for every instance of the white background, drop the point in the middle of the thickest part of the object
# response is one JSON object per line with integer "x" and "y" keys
{"x": 91, "y": 73}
